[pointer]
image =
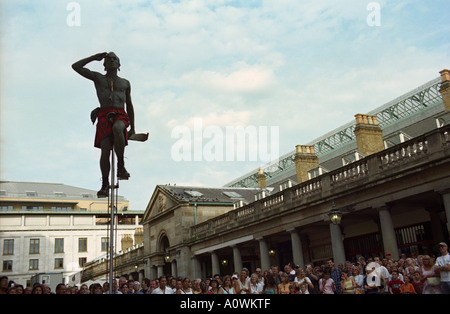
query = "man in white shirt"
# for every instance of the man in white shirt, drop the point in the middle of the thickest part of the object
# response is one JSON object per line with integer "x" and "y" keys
{"x": 384, "y": 272}
{"x": 163, "y": 289}
{"x": 443, "y": 266}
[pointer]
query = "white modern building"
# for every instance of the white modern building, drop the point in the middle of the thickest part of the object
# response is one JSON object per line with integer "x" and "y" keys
{"x": 55, "y": 228}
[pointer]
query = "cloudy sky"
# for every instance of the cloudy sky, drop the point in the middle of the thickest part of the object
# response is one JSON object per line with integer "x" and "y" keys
{"x": 288, "y": 68}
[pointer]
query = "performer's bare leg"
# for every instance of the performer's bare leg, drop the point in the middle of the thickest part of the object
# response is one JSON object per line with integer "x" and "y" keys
{"x": 119, "y": 146}
{"x": 106, "y": 147}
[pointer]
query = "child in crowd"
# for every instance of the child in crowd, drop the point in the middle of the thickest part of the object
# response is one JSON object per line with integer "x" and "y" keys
{"x": 407, "y": 287}
{"x": 395, "y": 283}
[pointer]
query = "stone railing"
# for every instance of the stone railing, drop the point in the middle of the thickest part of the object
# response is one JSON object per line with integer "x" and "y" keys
{"x": 396, "y": 158}
{"x": 100, "y": 267}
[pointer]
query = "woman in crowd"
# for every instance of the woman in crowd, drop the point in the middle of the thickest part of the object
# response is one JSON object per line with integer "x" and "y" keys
{"x": 227, "y": 287}
{"x": 284, "y": 286}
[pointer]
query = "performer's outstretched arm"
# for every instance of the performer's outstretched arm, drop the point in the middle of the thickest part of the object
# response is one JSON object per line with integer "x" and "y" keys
{"x": 130, "y": 110}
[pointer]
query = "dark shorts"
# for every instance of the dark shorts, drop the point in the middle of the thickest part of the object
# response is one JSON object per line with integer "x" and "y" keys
{"x": 104, "y": 125}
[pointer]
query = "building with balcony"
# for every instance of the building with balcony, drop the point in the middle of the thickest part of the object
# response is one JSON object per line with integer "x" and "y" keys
{"x": 385, "y": 176}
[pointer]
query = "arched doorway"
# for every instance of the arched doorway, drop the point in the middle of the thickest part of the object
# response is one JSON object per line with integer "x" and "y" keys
{"x": 164, "y": 249}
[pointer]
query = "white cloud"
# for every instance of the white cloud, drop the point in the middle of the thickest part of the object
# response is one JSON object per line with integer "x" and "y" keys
{"x": 246, "y": 79}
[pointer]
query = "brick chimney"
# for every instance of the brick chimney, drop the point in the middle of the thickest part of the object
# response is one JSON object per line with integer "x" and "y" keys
{"x": 445, "y": 88}
{"x": 305, "y": 159}
{"x": 261, "y": 179}
{"x": 139, "y": 236}
{"x": 127, "y": 242}
{"x": 369, "y": 136}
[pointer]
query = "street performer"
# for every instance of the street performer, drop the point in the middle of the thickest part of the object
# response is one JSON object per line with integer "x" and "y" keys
{"x": 113, "y": 92}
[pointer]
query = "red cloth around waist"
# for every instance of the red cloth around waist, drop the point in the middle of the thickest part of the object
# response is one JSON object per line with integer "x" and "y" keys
{"x": 104, "y": 125}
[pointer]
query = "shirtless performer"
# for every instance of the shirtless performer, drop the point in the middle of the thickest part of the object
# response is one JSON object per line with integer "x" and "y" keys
{"x": 113, "y": 93}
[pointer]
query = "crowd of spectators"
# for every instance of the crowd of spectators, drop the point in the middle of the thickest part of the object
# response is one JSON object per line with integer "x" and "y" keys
{"x": 422, "y": 274}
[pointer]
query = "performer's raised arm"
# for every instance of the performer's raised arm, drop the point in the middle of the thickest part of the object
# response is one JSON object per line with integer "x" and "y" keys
{"x": 80, "y": 69}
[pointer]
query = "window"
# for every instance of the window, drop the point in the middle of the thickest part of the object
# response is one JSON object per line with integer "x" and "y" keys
{"x": 82, "y": 245}
{"x": 232, "y": 194}
{"x": 59, "y": 245}
{"x": 34, "y": 246}
{"x": 7, "y": 265}
{"x": 32, "y": 207}
{"x": 59, "y": 263}
{"x": 33, "y": 264}
{"x": 31, "y": 193}
{"x": 105, "y": 244}
{"x": 61, "y": 208}
{"x": 8, "y": 247}
{"x": 82, "y": 261}
{"x": 194, "y": 193}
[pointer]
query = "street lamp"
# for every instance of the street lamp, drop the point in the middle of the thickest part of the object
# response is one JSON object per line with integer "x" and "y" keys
{"x": 335, "y": 215}
{"x": 167, "y": 257}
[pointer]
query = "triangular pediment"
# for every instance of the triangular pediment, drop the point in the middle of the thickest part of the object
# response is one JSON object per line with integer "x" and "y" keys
{"x": 160, "y": 201}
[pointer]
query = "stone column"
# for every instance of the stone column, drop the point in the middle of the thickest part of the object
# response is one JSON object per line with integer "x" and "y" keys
{"x": 215, "y": 263}
{"x": 153, "y": 272}
{"x": 237, "y": 259}
{"x": 297, "y": 249}
{"x": 264, "y": 252}
{"x": 388, "y": 232}
{"x": 159, "y": 270}
{"x": 173, "y": 268}
{"x": 337, "y": 244}
{"x": 446, "y": 201}
{"x": 196, "y": 268}
{"x": 436, "y": 224}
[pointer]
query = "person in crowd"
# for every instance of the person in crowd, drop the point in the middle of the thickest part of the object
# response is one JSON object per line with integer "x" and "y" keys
{"x": 335, "y": 274}
{"x": 124, "y": 289}
{"x": 84, "y": 289}
{"x": 443, "y": 267}
{"x": 417, "y": 282}
{"x": 241, "y": 286}
{"x": 214, "y": 283}
{"x": 327, "y": 284}
{"x": 270, "y": 287}
{"x": 303, "y": 289}
{"x": 185, "y": 287}
{"x": 227, "y": 287}
{"x": 163, "y": 288}
{"x": 395, "y": 283}
{"x": 97, "y": 288}
{"x": 358, "y": 278}
{"x": 255, "y": 286}
{"x": 348, "y": 283}
{"x": 407, "y": 287}
{"x": 430, "y": 277}
{"x": 276, "y": 274}
{"x": 302, "y": 278}
{"x": 283, "y": 287}
{"x": 374, "y": 282}
{"x": 313, "y": 275}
